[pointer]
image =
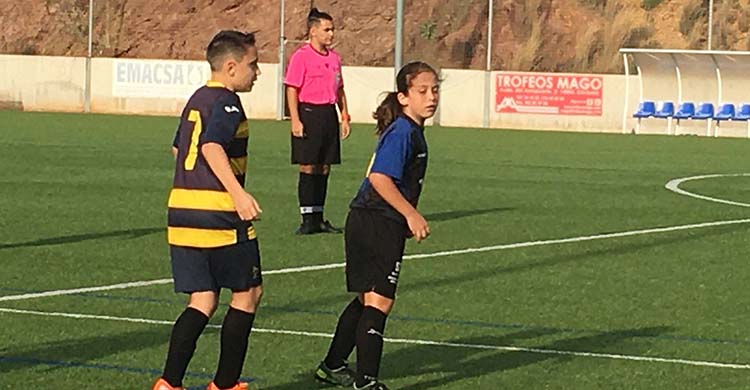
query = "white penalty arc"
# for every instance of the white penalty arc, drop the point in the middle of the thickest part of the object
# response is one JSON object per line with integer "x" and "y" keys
{"x": 674, "y": 186}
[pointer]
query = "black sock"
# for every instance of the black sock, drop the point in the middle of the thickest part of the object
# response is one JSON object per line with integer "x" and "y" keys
{"x": 306, "y": 193}
{"x": 185, "y": 333}
{"x": 235, "y": 332}
{"x": 346, "y": 335}
{"x": 321, "y": 191}
{"x": 369, "y": 344}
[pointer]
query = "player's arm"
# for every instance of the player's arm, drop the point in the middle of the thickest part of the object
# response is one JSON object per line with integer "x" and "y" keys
{"x": 387, "y": 189}
{"x": 294, "y": 78}
{"x": 226, "y": 116}
{"x": 174, "y": 151}
{"x": 344, "y": 109}
{"x": 292, "y": 98}
{"x": 247, "y": 207}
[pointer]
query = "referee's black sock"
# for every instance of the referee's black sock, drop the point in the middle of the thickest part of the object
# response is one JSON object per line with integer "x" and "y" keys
{"x": 307, "y": 198}
{"x": 185, "y": 333}
{"x": 345, "y": 337}
{"x": 321, "y": 190}
{"x": 235, "y": 332}
{"x": 369, "y": 344}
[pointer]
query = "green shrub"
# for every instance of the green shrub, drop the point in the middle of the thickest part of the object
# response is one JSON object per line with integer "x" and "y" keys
{"x": 650, "y": 4}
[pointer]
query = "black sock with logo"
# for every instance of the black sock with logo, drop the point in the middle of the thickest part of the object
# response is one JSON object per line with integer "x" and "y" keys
{"x": 369, "y": 344}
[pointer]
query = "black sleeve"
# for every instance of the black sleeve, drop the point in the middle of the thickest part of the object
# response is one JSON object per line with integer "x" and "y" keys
{"x": 176, "y": 140}
{"x": 226, "y": 116}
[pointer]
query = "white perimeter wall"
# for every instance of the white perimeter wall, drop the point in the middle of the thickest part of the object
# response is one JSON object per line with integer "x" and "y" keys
{"x": 41, "y": 83}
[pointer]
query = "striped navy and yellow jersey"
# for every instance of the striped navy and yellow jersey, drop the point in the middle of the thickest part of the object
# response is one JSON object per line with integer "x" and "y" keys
{"x": 201, "y": 211}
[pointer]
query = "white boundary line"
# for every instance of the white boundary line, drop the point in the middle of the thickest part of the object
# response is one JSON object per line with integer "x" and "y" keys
{"x": 415, "y": 256}
{"x": 674, "y": 186}
{"x": 503, "y": 348}
{"x": 54, "y": 293}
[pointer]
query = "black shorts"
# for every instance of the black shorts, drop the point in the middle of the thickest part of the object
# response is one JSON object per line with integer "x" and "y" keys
{"x": 321, "y": 143}
{"x": 236, "y": 267}
{"x": 374, "y": 249}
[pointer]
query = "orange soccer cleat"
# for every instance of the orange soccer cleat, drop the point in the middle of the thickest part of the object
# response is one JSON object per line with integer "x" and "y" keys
{"x": 238, "y": 386}
{"x": 161, "y": 384}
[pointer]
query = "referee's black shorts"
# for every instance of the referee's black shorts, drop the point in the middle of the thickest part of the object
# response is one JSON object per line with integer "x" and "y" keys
{"x": 320, "y": 144}
{"x": 374, "y": 249}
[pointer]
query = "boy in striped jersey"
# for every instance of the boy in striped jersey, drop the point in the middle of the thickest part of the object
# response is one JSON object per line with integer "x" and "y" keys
{"x": 212, "y": 240}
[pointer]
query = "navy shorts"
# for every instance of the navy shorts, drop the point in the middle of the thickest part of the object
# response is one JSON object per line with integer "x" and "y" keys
{"x": 236, "y": 267}
{"x": 374, "y": 250}
{"x": 321, "y": 143}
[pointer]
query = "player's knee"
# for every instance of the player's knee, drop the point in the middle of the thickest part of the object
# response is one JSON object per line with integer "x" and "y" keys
{"x": 247, "y": 300}
{"x": 384, "y": 304}
{"x": 204, "y": 301}
{"x": 257, "y": 294}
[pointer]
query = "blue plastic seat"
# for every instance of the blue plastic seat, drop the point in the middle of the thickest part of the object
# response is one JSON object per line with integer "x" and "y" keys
{"x": 743, "y": 114}
{"x": 705, "y": 111}
{"x": 646, "y": 109}
{"x": 686, "y": 111}
{"x": 726, "y": 112}
{"x": 665, "y": 111}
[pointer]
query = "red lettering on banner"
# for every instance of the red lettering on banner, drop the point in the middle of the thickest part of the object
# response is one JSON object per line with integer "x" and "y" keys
{"x": 547, "y": 93}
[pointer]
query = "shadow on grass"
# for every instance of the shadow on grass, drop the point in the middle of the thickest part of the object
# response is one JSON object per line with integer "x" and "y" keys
{"x": 124, "y": 234}
{"x": 453, "y": 364}
{"x": 87, "y": 353}
{"x": 456, "y": 214}
{"x": 81, "y": 351}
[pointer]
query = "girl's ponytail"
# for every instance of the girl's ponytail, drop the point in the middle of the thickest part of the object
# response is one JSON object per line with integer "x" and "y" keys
{"x": 388, "y": 110}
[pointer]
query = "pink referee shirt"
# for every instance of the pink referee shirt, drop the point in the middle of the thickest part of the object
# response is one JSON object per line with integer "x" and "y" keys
{"x": 316, "y": 75}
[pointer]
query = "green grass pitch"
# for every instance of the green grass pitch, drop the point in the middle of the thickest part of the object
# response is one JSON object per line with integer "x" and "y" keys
{"x": 83, "y": 204}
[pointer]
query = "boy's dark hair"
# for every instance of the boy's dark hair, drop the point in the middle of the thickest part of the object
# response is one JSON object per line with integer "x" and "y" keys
{"x": 315, "y": 16}
{"x": 390, "y": 108}
{"x": 228, "y": 42}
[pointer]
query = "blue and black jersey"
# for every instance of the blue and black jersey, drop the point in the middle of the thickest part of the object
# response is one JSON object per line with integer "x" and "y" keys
{"x": 201, "y": 211}
{"x": 401, "y": 154}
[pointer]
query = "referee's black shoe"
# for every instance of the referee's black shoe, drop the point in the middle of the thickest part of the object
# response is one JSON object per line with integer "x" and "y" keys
{"x": 326, "y": 227}
{"x": 307, "y": 228}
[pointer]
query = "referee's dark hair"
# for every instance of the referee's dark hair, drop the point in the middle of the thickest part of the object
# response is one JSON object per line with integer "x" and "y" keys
{"x": 315, "y": 16}
{"x": 390, "y": 108}
{"x": 228, "y": 42}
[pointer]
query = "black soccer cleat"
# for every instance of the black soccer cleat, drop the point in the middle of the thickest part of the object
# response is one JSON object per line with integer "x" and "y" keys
{"x": 326, "y": 227}
{"x": 342, "y": 376}
{"x": 373, "y": 385}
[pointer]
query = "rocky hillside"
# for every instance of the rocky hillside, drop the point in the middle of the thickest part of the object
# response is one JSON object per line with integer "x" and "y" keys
{"x": 537, "y": 35}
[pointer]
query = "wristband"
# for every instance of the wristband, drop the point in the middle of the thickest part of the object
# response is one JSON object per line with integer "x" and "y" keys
{"x": 346, "y": 118}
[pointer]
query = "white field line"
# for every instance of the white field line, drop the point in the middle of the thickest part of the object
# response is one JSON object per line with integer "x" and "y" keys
{"x": 526, "y": 244}
{"x": 674, "y": 186}
{"x": 503, "y": 348}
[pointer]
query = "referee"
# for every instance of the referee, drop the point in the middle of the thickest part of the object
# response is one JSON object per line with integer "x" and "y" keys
{"x": 314, "y": 87}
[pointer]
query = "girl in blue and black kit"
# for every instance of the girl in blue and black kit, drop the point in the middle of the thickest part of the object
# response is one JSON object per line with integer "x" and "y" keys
{"x": 382, "y": 216}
